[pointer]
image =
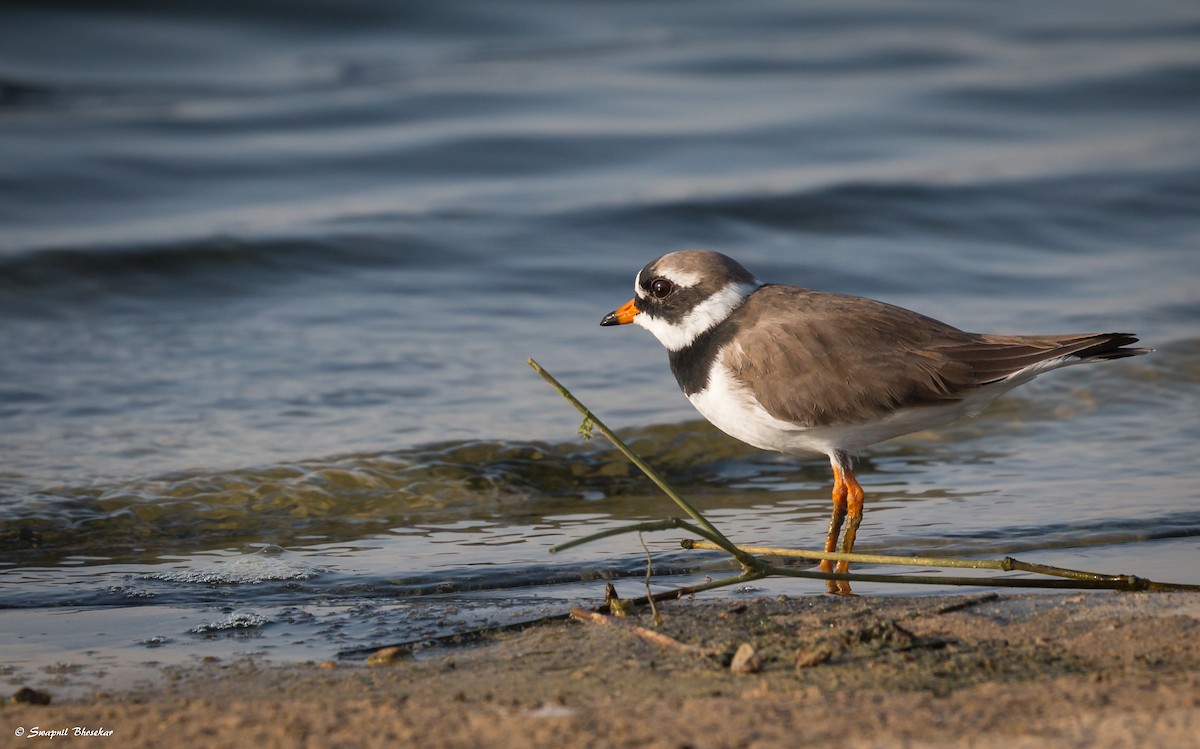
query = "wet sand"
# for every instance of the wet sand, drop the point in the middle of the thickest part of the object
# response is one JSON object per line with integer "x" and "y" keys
{"x": 1079, "y": 670}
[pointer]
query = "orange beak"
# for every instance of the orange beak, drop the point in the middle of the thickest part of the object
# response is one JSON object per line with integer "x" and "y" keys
{"x": 622, "y": 316}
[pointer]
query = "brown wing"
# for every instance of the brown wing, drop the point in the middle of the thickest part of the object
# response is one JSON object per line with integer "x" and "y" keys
{"x": 851, "y": 360}
{"x": 846, "y": 359}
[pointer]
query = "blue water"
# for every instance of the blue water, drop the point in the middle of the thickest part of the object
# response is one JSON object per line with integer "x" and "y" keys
{"x": 269, "y": 275}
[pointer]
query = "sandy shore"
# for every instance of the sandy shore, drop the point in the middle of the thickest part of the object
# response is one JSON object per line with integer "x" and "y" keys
{"x": 1094, "y": 670}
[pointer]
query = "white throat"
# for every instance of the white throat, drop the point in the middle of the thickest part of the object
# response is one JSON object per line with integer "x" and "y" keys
{"x": 678, "y": 336}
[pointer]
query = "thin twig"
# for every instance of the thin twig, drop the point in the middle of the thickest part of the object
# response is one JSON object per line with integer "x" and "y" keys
{"x": 1128, "y": 582}
{"x": 658, "y": 638}
{"x": 1007, "y": 564}
{"x": 658, "y": 621}
{"x": 650, "y": 525}
{"x": 691, "y": 590}
{"x": 474, "y": 635}
{"x": 594, "y": 422}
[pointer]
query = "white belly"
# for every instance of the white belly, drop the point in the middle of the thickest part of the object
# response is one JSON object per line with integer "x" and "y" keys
{"x": 732, "y": 409}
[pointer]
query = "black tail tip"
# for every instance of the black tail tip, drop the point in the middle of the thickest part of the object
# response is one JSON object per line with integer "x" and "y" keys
{"x": 1113, "y": 346}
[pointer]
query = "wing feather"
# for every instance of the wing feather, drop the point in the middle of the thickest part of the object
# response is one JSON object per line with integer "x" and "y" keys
{"x": 818, "y": 359}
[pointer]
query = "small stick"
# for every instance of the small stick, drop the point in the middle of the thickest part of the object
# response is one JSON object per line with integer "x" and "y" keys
{"x": 650, "y": 525}
{"x": 658, "y": 638}
{"x": 459, "y": 638}
{"x": 689, "y": 590}
{"x": 1129, "y": 582}
{"x": 592, "y": 420}
{"x": 1007, "y": 564}
{"x": 658, "y": 620}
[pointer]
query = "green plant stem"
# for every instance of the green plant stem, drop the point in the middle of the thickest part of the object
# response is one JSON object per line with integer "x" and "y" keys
{"x": 715, "y": 535}
{"x": 646, "y": 527}
{"x": 1007, "y": 564}
{"x": 1127, "y": 582}
{"x": 687, "y": 590}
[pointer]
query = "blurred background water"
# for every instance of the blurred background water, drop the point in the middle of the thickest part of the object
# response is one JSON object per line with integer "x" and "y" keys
{"x": 270, "y": 271}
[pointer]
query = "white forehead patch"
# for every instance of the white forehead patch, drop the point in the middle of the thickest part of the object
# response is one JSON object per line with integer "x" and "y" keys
{"x": 678, "y": 336}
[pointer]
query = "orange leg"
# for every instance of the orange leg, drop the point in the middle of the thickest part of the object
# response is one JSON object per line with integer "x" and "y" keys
{"x": 854, "y": 512}
{"x": 847, "y": 506}
{"x": 835, "y": 524}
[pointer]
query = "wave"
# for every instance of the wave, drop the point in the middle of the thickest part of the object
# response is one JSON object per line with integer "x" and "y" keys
{"x": 350, "y": 497}
{"x": 1163, "y": 87}
{"x": 984, "y": 209}
{"x": 215, "y": 267}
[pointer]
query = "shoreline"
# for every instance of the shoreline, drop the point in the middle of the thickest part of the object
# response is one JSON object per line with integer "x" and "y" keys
{"x": 1069, "y": 670}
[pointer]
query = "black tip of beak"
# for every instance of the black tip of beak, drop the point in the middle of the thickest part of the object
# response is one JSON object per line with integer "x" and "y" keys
{"x": 609, "y": 319}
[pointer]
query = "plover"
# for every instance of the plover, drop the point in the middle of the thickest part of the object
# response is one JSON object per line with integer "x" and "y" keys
{"x": 808, "y": 372}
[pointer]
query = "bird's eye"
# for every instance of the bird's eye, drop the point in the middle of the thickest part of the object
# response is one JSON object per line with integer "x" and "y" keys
{"x": 660, "y": 287}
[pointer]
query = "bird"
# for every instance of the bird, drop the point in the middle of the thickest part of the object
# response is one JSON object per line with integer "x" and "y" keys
{"x": 805, "y": 372}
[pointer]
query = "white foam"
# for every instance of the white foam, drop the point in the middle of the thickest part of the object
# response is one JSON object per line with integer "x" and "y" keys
{"x": 248, "y": 569}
